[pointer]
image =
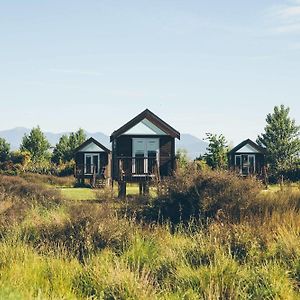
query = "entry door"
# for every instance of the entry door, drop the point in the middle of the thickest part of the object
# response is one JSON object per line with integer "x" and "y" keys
{"x": 146, "y": 153}
{"x": 91, "y": 162}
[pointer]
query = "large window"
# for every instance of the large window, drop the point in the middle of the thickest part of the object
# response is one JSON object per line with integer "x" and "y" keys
{"x": 145, "y": 153}
{"x": 91, "y": 163}
{"x": 245, "y": 163}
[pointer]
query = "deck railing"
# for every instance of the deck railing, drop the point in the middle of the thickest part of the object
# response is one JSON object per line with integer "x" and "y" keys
{"x": 88, "y": 170}
{"x": 137, "y": 168}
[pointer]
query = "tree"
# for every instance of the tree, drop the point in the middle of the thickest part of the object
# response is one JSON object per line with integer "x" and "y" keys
{"x": 77, "y": 138}
{"x": 182, "y": 158}
{"x": 4, "y": 150}
{"x": 36, "y": 144}
{"x": 216, "y": 155}
{"x": 281, "y": 140}
{"x": 61, "y": 151}
{"x": 65, "y": 148}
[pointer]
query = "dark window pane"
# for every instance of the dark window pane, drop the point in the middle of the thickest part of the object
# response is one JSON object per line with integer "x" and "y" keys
{"x": 151, "y": 161}
{"x": 95, "y": 163}
{"x": 251, "y": 164}
{"x": 88, "y": 165}
{"x": 245, "y": 164}
{"x": 139, "y": 163}
{"x": 238, "y": 163}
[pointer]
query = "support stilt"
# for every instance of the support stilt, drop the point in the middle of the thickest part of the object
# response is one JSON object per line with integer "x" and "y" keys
{"x": 122, "y": 190}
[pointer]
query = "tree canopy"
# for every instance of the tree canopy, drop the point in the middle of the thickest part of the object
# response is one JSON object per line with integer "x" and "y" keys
{"x": 65, "y": 148}
{"x": 281, "y": 139}
{"x": 36, "y": 144}
{"x": 4, "y": 150}
{"x": 216, "y": 155}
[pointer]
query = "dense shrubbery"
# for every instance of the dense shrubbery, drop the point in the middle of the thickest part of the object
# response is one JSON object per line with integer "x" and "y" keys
{"x": 35, "y": 156}
{"x": 62, "y": 249}
{"x": 197, "y": 194}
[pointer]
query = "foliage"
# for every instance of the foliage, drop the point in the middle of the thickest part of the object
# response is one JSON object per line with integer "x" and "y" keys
{"x": 197, "y": 194}
{"x": 22, "y": 158}
{"x": 36, "y": 144}
{"x": 182, "y": 159}
{"x": 53, "y": 249}
{"x": 64, "y": 149}
{"x": 17, "y": 163}
{"x": 4, "y": 150}
{"x": 281, "y": 139}
{"x": 216, "y": 155}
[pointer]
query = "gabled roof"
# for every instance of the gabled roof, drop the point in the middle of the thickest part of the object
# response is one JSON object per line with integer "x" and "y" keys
{"x": 248, "y": 142}
{"x": 146, "y": 114}
{"x": 92, "y": 140}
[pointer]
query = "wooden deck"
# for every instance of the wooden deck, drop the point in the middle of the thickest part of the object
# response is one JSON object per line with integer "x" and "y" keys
{"x": 137, "y": 169}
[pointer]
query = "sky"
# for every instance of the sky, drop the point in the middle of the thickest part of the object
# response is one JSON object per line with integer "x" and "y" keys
{"x": 202, "y": 66}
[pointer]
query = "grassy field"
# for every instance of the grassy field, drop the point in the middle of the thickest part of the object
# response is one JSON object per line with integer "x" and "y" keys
{"x": 246, "y": 245}
{"x": 75, "y": 193}
{"x": 78, "y": 193}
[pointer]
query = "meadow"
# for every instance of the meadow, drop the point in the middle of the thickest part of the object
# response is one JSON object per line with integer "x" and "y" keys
{"x": 204, "y": 235}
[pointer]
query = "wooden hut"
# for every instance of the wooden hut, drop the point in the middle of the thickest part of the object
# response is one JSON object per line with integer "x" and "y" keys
{"x": 247, "y": 158}
{"x": 93, "y": 162}
{"x": 143, "y": 150}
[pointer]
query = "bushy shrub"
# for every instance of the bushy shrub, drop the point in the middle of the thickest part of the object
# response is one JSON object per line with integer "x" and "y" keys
{"x": 196, "y": 194}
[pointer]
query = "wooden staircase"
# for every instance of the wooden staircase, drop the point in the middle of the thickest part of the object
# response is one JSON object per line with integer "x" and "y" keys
{"x": 99, "y": 180}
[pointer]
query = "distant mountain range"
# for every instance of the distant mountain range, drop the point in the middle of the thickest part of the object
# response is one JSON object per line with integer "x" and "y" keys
{"x": 192, "y": 144}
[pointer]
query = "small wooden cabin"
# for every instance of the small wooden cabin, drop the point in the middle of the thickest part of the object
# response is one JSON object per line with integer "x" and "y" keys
{"x": 93, "y": 162}
{"x": 143, "y": 149}
{"x": 247, "y": 158}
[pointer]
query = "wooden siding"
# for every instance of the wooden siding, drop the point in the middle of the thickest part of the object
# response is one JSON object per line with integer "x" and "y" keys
{"x": 167, "y": 155}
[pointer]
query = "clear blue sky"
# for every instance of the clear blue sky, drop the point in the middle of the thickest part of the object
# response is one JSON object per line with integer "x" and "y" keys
{"x": 203, "y": 66}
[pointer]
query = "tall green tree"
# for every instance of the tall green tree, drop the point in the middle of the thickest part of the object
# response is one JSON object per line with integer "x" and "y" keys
{"x": 4, "y": 150}
{"x": 216, "y": 154}
{"x": 65, "y": 148}
{"x": 61, "y": 152}
{"x": 36, "y": 144}
{"x": 281, "y": 139}
{"x": 77, "y": 138}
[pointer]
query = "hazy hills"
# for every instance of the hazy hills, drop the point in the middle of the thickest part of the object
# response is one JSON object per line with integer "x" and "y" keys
{"x": 192, "y": 144}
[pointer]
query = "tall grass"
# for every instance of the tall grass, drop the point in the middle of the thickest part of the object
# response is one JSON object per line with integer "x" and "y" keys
{"x": 57, "y": 249}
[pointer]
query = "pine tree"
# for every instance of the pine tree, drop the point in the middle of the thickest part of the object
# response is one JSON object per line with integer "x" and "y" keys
{"x": 281, "y": 140}
{"x": 36, "y": 144}
{"x": 65, "y": 148}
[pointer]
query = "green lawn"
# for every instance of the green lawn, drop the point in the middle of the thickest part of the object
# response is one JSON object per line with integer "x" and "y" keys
{"x": 78, "y": 193}
{"x": 91, "y": 194}
{"x": 276, "y": 187}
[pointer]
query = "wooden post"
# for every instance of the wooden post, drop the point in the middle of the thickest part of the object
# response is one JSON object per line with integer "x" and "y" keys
{"x": 122, "y": 189}
{"x": 281, "y": 182}
{"x": 141, "y": 188}
{"x": 82, "y": 176}
{"x": 146, "y": 188}
{"x": 265, "y": 177}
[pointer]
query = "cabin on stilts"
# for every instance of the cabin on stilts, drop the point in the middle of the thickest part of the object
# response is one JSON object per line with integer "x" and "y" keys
{"x": 93, "y": 164}
{"x": 248, "y": 158}
{"x": 143, "y": 151}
